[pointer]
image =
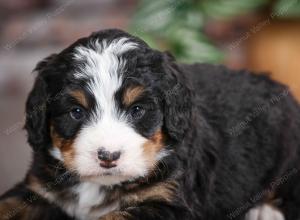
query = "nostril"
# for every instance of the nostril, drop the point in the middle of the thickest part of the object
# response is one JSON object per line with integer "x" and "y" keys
{"x": 116, "y": 155}
{"x": 103, "y": 154}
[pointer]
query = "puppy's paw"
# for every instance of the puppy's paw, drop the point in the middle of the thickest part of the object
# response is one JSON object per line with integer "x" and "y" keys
{"x": 264, "y": 212}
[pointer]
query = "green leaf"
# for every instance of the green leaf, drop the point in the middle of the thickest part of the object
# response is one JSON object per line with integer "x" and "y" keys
{"x": 286, "y": 8}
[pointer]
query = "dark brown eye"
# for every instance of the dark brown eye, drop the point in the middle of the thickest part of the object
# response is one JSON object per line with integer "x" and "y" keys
{"x": 137, "y": 112}
{"x": 77, "y": 113}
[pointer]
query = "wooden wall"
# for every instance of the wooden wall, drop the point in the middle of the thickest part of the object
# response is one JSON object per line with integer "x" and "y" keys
{"x": 276, "y": 49}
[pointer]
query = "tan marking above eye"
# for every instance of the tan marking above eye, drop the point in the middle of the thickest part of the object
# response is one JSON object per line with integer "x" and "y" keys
{"x": 131, "y": 94}
{"x": 80, "y": 97}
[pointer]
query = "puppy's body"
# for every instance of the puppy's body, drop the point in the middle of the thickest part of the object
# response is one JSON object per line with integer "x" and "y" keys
{"x": 156, "y": 139}
{"x": 255, "y": 158}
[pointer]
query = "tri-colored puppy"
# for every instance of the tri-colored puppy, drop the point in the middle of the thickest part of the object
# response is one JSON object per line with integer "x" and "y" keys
{"x": 121, "y": 131}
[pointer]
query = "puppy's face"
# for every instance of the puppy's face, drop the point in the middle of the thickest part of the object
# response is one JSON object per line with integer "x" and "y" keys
{"x": 105, "y": 111}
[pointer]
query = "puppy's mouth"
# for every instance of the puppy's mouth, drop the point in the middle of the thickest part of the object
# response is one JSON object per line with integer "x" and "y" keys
{"x": 108, "y": 173}
{"x": 110, "y": 170}
{"x": 108, "y": 164}
{"x": 102, "y": 173}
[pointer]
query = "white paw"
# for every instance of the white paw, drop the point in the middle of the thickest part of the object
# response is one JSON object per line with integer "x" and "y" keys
{"x": 264, "y": 212}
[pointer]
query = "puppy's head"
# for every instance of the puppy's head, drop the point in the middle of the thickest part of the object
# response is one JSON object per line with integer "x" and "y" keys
{"x": 108, "y": 107}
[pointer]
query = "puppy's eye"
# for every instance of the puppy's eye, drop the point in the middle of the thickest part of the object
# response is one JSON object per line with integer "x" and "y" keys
{"x": 77, "y": 113}
{"x": 137, "y": 112}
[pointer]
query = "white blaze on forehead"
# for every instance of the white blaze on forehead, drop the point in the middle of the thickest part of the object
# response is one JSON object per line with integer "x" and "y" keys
{"x": 103, "y": 66}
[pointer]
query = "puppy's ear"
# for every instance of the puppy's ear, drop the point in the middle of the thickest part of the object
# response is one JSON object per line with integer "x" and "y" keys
{"x": 36, "y": 108}
{"x": 177, "y": 95}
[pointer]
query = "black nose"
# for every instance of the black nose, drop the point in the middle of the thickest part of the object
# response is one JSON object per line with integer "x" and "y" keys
{"x": 107, "y": 156}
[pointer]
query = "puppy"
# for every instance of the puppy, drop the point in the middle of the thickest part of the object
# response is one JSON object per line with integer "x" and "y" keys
{"x": 120, "y": 131}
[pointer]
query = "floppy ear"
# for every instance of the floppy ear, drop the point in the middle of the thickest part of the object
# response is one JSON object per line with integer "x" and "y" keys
{"x": 177, "y": 95}
{"x": 36, "y": 108}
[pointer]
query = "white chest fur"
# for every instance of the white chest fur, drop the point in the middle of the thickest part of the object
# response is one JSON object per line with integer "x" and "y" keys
{"x": 89, "y": 196}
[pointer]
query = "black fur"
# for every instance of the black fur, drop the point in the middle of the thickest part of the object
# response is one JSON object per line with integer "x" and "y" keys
{"x": 232, "y": 134}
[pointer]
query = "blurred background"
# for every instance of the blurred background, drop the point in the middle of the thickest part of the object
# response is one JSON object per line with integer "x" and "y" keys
{"x": 260, "y": 35}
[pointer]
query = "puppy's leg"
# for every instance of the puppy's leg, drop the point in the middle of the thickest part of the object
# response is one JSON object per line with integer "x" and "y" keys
{"x": 118, "y": 215}
{"x": 150, "y": 211}
{"x": 156, "y": 202}
{"x": 12, "y": 208}
{"x": 264, "y": 212}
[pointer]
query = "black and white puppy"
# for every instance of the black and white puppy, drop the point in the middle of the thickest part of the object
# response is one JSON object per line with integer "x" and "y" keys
{"x": 121, "y": 131}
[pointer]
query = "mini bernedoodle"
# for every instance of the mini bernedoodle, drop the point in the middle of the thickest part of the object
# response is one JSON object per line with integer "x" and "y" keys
{"x": 120, "y": 131}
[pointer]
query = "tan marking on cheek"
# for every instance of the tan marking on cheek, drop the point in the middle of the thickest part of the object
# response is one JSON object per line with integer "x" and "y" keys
{"x": 152, "y": 147}
{"x": 65, "y": 146}
{"x": 131, "y": 94}
{"x": 164, "y": 191}
{"x": 80, "y": 97}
